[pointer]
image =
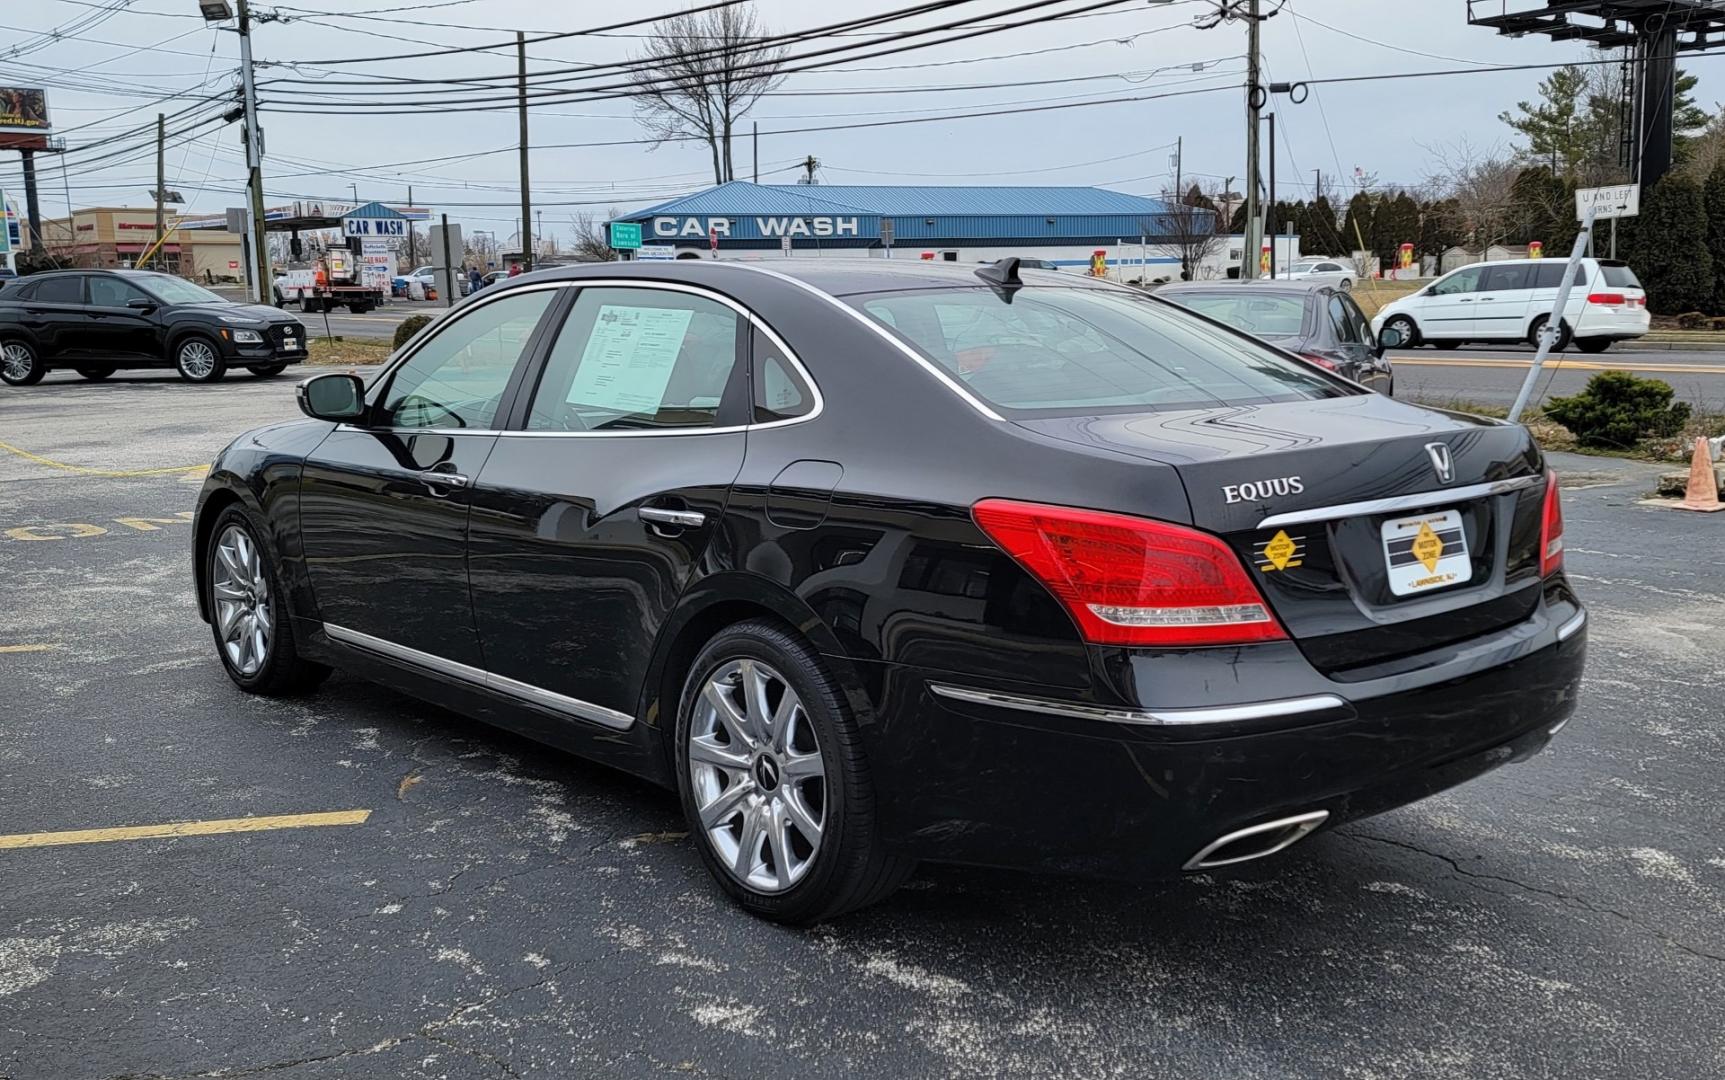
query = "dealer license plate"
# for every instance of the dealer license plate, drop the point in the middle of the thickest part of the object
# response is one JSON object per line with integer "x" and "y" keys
{"x": 1426, "y": 551}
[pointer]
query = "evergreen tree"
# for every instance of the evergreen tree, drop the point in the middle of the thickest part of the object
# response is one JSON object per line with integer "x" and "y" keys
{"x": 1237, "y": 224}
{"x": 1357, "y": 226}
{"x": 1669, "y": 247}
{"x": 1327, "y": 235}
{"x": 1713, "y": 200}
{"x": 1440, "y": 227}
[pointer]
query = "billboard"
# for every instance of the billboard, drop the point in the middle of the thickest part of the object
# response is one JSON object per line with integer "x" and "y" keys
{"x": 23, "y": 110}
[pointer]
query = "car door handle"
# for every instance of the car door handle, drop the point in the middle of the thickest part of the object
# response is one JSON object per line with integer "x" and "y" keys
{"x": 682, "y": 519}
{"x": 438, "y": 478}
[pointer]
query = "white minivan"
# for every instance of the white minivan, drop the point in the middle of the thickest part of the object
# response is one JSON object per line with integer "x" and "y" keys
{"x": 1510, "y": 301}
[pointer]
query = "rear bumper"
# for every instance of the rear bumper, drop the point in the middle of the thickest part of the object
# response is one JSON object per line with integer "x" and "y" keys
{"x": 1598, "y": 322}
{"x": 1138, "y": 791}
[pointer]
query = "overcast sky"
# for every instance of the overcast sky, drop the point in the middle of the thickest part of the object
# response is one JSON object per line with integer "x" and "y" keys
{"x": 1142, "y": 49}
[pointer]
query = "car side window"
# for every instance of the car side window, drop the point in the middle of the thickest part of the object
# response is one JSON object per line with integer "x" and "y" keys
{"x": 1547, "y": 275}
{"x": 1362, "y": 325}
{"x": 112, "y": 292}
{"x": 1326, "y": 268}
{"x": 60, "y": 290}
{"x": 1505, "y": 277}
{"x": 639, "y": 359}
{"x": 780, "y": 394}
{"x": 456, "y": 379}
{"x": 1346, "y": 332}
{"x": 1462, "y": 281}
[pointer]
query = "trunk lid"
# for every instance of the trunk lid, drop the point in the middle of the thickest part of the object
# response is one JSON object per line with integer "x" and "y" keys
{"x": 1306, "y": 493}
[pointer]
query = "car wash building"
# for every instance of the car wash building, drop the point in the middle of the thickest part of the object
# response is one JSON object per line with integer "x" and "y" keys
{"x": 1065, "y": 226}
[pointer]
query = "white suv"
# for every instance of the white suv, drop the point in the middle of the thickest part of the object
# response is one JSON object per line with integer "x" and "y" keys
{"x": 1510, "y": 301}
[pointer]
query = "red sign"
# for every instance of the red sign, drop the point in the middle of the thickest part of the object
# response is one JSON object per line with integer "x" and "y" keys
{"x": 233, "y": 264}
{"x": 134, "y": 225}
{"x": 713, "y": 237}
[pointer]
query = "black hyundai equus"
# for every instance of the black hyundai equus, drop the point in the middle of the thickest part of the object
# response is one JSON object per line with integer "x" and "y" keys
{"x": 878, "y": 562}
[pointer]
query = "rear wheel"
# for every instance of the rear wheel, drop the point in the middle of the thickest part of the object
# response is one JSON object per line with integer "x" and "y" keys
{"x": 197, "y": 360}
{"x": 269, "y": 370}
{"x": 1593, "y": 344}
{"x": 774, "y": 783}
{"x": 95, "y": 374}
{"x": 1346, "y": 285}
{"x": 19, "y": 364}
{"x": 253, "y": 633}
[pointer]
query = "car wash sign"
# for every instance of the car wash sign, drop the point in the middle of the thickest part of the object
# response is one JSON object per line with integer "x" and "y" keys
{"x": 757, "y": 227}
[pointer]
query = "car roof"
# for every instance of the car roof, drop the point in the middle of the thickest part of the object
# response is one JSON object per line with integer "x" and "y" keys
{"x": 842, "y": 276}
{"x": 1298, "y": 287}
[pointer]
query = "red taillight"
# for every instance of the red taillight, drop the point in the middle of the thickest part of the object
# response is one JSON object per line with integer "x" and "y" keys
{"x": 1321, "y": 361}
{"x": 1551, "y": 529}
{"x": 1616, "y": 299}
{"x": 1129, "y": 580}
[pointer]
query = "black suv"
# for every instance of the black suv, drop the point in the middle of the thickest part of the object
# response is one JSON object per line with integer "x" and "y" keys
{"x": 98, "y": 321}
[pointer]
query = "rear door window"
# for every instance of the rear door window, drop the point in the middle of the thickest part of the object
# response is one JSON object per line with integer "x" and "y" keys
{"x": 1504, "y": 277}
{"x": 60, "y": 290}
{"x": 640, "y": 359}
{"x": 1053, "y": 351}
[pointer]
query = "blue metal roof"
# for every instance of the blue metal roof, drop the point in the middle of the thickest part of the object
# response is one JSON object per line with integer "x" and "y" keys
{"x": 740, "y": 197}
{"x": 374, "y": 211}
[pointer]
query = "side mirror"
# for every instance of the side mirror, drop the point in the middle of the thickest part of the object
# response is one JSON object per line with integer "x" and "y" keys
{"x": 1391, "y": 337}
{"x": 138, "y": 303}
{"x": 335, "y": 397}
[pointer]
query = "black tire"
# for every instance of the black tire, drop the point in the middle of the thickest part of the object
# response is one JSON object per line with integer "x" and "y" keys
{"x": 1564, "y": 337}
{"x": 1448, "y": 343}
{"x": 1410, "y": 331}
{"x": 20, "y": 363}
{"x": 309, "y": 305}
{"x": 189, "y": 360}
{"x": 283, "y": 672}
{"x": 95, "y": 374}
{"x": 268, "y": 371}
{"x": 1346, "y": 285}
{"x": 1593, "y": 344}
{"x": 850, "y": 869}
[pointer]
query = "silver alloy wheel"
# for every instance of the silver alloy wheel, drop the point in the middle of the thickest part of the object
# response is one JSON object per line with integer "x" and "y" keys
{"x": 16, "y": 360}
{"x": 242, "y": 601}
{"x": 758, "y": 780}
{"x": 197, "y": 359}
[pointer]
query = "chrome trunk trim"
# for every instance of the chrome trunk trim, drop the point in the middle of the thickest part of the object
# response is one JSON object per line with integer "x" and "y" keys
{"x": 1390, "y": 505}
{"x": 1221, "y": 714}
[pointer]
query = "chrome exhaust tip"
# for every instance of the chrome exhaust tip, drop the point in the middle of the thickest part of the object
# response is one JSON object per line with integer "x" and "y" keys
{"x": 1256, "y": 841}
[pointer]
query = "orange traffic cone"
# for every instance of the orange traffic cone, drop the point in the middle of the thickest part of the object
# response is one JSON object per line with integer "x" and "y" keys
{"x": 1703, "y": 491}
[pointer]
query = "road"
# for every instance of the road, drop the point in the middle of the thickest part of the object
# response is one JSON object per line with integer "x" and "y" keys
{"x": 380, "y": 323}
{"x": 479, "y": 906}
{"x": 1493, "y": 375}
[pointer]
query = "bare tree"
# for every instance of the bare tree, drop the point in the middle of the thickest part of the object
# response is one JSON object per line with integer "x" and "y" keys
{"x": 1190, "y": 230}
{"x": 700, "y": 73}
{"x": 592, "y": 240}
{"x": 1478, "y": 184}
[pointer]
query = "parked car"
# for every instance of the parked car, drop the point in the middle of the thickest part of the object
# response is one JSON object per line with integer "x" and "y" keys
{"x": 431, "y": 278}
{"x": 879, "y": 562}
{"x": 100, "y": 321}
{"x": 1506, "y": 302}
{"x": 1317, "y": 322}
{"x": 1337, "y": 272}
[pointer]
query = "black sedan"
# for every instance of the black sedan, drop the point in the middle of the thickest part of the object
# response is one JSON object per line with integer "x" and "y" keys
{"x": 1320, "y": 323}
{"x": 99, "y": 321}
{"x": 882, "y": 562}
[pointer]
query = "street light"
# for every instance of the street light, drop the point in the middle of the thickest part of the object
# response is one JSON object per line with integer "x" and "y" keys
{"x": 215, "y": 10}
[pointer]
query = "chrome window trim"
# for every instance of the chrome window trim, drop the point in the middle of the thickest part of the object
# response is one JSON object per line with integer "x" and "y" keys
{"x": 886, "y": 335}
{"x": 625, "y": 283}
{"x": 1221, "y": 714}
{"x": 1400, "y": 502}
{"x": 502, "y": 684}
{"x": 1573, "y": 626}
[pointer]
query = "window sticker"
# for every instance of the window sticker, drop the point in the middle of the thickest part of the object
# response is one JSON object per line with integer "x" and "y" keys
{"x": 629, "y": 357}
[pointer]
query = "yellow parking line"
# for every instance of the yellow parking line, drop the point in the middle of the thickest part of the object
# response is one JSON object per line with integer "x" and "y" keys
{"x": 184, "y": 828}
{"x": 1562, "y": 365}
{"x": 26, "y": 648}
{"x": 85, "y": 471}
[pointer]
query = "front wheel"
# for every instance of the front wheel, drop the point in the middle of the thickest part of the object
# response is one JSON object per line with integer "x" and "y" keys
{"x": 774, "y": 783}
{"x": 310, "y": 305}
{"x": 198, "y": 361}
{"x": 1563, "y": 334}
{"x": 1410, "y": 332}
{"x": 19, "y": 364}
{"x": 1593, "y": 344}
{"x": 95, "y": 374}
{"x": 269, "y": 371}
{"x": 253, "y": 633}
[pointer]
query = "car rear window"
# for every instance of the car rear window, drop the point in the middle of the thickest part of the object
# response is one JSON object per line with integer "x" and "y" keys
{"x": 1619, "y": 276}
{"x": 1052, "y": 351}
{"x": 1265, "y": 316}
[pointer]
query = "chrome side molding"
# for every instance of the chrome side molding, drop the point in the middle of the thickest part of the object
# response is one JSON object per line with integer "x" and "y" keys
{"x": 1221, "y": 714}
{"x": 1278, "y": 835}
{"x": 1570, "y": 628}
{"x": 501, "y": 684}
{"x": 1400, "y": 502}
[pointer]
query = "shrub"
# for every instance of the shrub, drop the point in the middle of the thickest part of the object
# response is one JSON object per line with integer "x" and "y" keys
{"x": 1618, "y": 409}
{"x": 1693, "y": 320}
{"x": 410, "y": 326}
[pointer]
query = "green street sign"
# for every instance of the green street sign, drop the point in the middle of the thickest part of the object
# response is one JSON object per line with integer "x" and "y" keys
{"x": 625, "y": 235}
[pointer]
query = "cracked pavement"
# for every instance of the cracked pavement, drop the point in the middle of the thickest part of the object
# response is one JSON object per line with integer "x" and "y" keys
{"x": 508, "y": 911}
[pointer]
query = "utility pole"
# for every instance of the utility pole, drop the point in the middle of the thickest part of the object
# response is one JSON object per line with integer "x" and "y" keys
{"x": 161, "y": 178}
{"x": 1179, "y": 148}
{"x": 755, "y": 142}
{"x": 526, "y": 185}
{"x": 33, "y": 207}
{"x": 1254, "y": 99}
{"x": 254, "y": 157}
{"x": 1270, "y": 207}
{"x": 412, "y": 262}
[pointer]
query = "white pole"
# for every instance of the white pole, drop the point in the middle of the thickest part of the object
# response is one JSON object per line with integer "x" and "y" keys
{"x": 1548, "y": 333}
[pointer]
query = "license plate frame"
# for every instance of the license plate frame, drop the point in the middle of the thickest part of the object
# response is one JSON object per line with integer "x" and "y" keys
{"x": 1426, "y": 551}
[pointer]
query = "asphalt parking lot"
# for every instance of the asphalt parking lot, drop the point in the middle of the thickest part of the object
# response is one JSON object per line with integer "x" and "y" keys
{"x": 437, "y": 899}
